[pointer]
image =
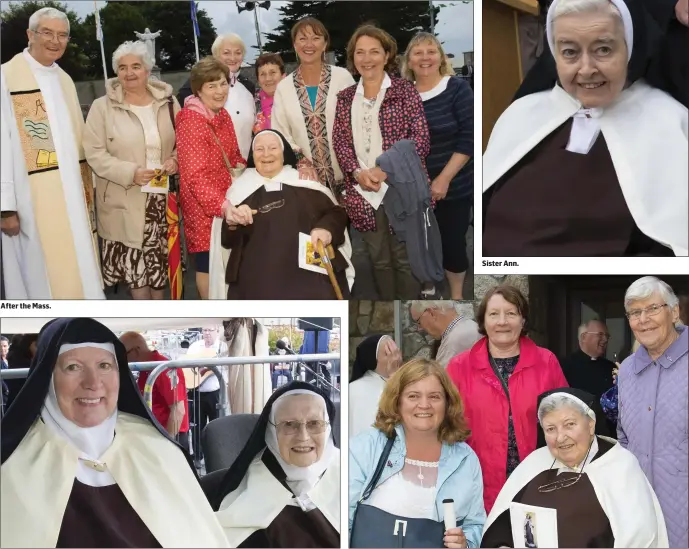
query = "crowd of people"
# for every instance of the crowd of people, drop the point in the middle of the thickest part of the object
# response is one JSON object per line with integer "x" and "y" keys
{"x": 80, "y": 428}
{"x": 297, "y": 163}
{"x": 503, "y": 427}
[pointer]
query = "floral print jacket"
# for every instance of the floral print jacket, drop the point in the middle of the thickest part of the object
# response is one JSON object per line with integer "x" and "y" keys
{"x": 401, "y": 117}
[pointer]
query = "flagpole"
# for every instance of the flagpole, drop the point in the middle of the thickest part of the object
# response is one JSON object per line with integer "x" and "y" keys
{"x": 100, "y": 38}
{"x": 195, "y": 23}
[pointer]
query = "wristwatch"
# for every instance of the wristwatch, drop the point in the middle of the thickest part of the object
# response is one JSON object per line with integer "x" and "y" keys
{"x": 8, "y": 213}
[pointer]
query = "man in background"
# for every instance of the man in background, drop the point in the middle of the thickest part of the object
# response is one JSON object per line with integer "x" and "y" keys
{"x": 169, "y": 397}
{"x": 588, "y": 369}
{"x": 440, "y": 320}
{"x": 206, "y": 398}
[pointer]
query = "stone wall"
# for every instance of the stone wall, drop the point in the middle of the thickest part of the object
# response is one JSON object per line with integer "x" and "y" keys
{"x": 367, "y": 318}
{"x": 416, "y": 343}
{"x": 483, "y": 283}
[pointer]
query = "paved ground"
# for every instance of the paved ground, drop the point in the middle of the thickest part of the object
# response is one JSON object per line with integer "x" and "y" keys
{"x": 364, "y": 287}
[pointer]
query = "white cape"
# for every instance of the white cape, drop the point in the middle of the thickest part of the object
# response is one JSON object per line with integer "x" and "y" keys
{"x": 240, "y": 189}
{"x": 646, "y": 133}
{"x": 153, "y": 474}
{"x": 260, "y": 498}
{"x": 366, "y": 392}
{"x": 623, "y": 491}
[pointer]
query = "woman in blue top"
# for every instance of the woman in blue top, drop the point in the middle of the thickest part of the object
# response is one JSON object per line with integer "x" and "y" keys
{"x": 448, "y": 102}
{"x": 429, "y": 461}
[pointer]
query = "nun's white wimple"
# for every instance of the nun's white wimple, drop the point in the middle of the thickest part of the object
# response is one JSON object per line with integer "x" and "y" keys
{"x": 282, "y": 143}
{"x": 626, "y": 22}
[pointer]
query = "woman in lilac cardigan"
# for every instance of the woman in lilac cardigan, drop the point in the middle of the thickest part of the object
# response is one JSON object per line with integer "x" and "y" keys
{"x": 653, "y": 399}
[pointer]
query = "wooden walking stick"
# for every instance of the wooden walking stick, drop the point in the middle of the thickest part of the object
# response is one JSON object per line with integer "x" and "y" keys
{"x": 325, "y": 261}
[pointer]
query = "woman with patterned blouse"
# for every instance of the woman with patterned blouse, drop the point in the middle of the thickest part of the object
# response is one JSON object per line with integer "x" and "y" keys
{"x": 305, "y": 101}
{"x": 371, "y": 117}
{"x": 500, "y": 379}
{"x": 129, "y": 134}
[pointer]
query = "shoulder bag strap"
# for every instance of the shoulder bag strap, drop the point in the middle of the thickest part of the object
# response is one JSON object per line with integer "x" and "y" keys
{"x": 172, "y": 113}
{"x": 379, "y": 468}
{"x": 227, "y": 162}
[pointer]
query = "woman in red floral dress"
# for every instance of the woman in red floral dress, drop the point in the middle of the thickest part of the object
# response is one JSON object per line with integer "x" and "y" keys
{"x": 207, "y": 150}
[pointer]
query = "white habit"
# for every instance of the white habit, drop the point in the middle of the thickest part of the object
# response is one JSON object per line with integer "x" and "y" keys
{"x": 241, "y": 106}
{"x": 365, "y": 392}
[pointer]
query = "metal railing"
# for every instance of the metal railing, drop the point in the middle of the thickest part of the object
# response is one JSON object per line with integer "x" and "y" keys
{"x": 156, "y": 368}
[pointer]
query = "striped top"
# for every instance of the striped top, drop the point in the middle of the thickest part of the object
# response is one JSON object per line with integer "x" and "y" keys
{"x": 449, "y": 111}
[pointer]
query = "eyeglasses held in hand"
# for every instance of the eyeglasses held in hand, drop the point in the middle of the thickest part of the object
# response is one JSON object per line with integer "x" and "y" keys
{"x": 313, "y": 427}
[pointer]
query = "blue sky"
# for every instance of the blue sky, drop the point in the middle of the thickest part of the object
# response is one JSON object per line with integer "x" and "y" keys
{"x": 455, "y": 25}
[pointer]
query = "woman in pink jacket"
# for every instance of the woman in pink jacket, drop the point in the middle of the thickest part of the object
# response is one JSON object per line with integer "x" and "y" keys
{"x": 500, "y": 379}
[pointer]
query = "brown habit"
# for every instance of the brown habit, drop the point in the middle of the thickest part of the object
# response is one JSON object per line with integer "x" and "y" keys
{"x": 264, "y": 259}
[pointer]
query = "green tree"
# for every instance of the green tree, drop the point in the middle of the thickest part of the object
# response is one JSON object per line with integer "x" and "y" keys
{"x": 13, "y": 39}
{"x": 175, "y": 46}
{"x": 401, "y": 19}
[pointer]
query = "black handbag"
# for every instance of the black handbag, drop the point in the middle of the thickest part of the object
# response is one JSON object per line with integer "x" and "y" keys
{"x": 375, "y": 528}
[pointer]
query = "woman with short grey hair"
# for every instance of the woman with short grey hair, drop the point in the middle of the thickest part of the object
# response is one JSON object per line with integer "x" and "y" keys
{"x": 596, "y": 487}
{"x": 130, "y": 144}
{"x": 653, "y": 390}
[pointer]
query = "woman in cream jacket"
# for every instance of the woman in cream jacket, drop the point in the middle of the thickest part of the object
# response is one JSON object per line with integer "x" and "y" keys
{"x": 129, "y": 134}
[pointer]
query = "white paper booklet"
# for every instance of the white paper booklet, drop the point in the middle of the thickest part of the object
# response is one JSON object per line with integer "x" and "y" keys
{"x": 307, "y": 255}
{"x": 533, "y": 526}
{"x": 160, "y": 183}
{"x": 374, "y": 198}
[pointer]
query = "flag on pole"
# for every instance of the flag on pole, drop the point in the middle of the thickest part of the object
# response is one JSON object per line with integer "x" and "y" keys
{"x": 197, "y": 33}
{"x": 174, "y": 247}
{"x": 99, "y": 30}
{"x": 193, "y": 18}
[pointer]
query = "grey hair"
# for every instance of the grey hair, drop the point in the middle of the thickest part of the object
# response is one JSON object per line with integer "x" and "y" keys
{"x": 559, "y": 400}
{"x": 47, "y": 13}
{"x": 585, "y": 326}
{"x": 645, "y": 287}
{"x": 419, "y": 306}
{"x": 232, "y": 38}
{"x": 565, "y": 7}
{"x": 137, "y": 48}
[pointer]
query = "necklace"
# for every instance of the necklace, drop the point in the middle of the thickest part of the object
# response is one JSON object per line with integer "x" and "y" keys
{"x": 567, "y": 482}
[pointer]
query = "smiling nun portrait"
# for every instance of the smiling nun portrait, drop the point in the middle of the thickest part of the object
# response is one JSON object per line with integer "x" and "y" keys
{"x": 85, "y": 464}
{"x": 596, "y": 164}
{"x": 265, "y": 211}
{"x": 597, "y": 488}
{"x": 283, "y": 490}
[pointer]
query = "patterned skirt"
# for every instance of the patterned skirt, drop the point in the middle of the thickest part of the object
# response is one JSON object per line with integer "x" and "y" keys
{"x": 145, "y": 267}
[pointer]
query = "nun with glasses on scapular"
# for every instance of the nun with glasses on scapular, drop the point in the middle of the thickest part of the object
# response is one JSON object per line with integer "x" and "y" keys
{"x": 85, "y": 463}
{"x": 283, "y": 490}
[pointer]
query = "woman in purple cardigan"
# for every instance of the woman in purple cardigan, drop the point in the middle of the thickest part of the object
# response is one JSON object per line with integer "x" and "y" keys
{"x": 371, "y": 116}
{"x": 654, "y": 398}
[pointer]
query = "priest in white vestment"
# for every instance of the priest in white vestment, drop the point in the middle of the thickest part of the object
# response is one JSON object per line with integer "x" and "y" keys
{"x": 85, "y": 463}
{"x": 49, "y": 243}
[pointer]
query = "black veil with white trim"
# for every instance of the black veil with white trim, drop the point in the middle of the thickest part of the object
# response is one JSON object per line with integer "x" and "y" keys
{"x": 257, "y": 441}
{"x": 650, "y": 43}
{"x": 27, "y": 406}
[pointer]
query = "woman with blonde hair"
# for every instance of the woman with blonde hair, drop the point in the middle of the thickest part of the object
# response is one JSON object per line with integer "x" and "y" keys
{"x": 411, "y": 462}
{"x": 448, "y": 102}
{"x": 230, "y": 50}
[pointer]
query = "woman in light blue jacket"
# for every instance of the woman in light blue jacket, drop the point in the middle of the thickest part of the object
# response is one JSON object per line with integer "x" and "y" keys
{"x": 420, "y": 426}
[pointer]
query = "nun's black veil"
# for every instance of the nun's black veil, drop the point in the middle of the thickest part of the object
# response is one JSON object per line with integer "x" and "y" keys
{"x": 26, "y": 408}
{"x": 590, "y": 400}
{"x": 257, "y": 441}
{"x": 289, "y": 155}
{"x": 645, "y": 62}
{"x": 366, "y": 358}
